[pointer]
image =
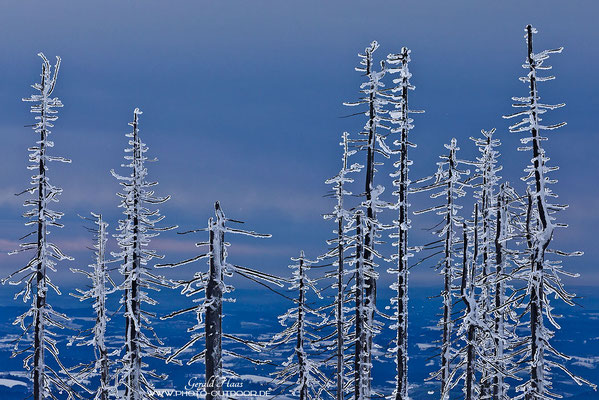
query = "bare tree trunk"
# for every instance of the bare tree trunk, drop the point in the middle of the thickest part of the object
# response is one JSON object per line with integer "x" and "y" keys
{"x": 214, "y": 312}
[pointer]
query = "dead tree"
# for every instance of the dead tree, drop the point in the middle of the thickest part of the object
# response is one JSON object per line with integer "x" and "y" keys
{"x": 449, "y": 182}
{"x": 209, "y": 311}
{"x": 134, "y": 234}
{"x": 302, "y": 324}
{"x": 340, "y": 306}
{"x": 374, "y": 142}
{"x": 34, "y": 276}
{"x": 543, "y": 277}
{"x": 400, "y": 117}
{"x": 98, "y": 292}
{"x": 487, "y": 180}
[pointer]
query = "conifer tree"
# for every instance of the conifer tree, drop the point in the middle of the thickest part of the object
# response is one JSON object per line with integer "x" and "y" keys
{"x": 138, "y": 227}
{"x": 41, "y": 319}
{"x": 486, "y": 170}
{"x": 96, "y": 336}
{"x": 544, "y": 274}
{"x": 302, "y": 330}
{"x": 211, "y": 285}
{"x": 400, "y": 117}
{"x": 340, "y": 307}
{"x": 450, "y": 184}
{"x": 373, "y": 143}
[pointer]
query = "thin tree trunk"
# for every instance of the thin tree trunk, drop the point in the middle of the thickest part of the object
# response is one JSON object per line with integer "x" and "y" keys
{"x": 499, "y": 320}
{"x": 360, "y": 346}
{"x": 40, "y": 300}
{"x": 134, "y": 323}
{"x": 536, "y": 322}
{"x": 467, "y": 284}
{"x": 401, "y": 392}
{"x": 340, "y": 314}
{"x": 370, "y": 282}
{"x": 303, "y": 378}
{"x": 101, "y": 311}
{"x": 485, "y": 383}
{"x": 448, "y": 278}
{"x": 536, "y": 310}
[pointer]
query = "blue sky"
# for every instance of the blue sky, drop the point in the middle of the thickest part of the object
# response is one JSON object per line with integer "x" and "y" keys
{"x": 242, "y": 103}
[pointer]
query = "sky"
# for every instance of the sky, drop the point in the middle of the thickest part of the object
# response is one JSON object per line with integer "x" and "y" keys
{"x": 243, "y": 103}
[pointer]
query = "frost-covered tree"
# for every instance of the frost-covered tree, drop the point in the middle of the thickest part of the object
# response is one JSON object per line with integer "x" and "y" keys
{"x": 40, "y": 319}
{"x": 212, "y": 288}
{"x": 544, "y": 275}
{"x": 373, "y": 142}
{"x": 500, "y": 222}
{"x": 97, "y": 293}
{"x": 340, "y": 307}
{"x": 486, "y": 169}
{"x": 400, "y": 117}
{"x": 448, "y": 183}
{"x": 301, "y": 324}
{"x": 474, "y": 358}
{"x": 508, "y": 228}
{"x": 135, "y": 230}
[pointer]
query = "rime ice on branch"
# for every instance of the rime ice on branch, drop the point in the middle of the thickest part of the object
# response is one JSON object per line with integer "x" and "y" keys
{"x": 543, "y": 276}
{"x": 212, "y": 287}
{"x": 135, "y": 232}
{"x": 40, "y": 318}
{"x": 96, "y": 336}
{"x": 449, "y": 182}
